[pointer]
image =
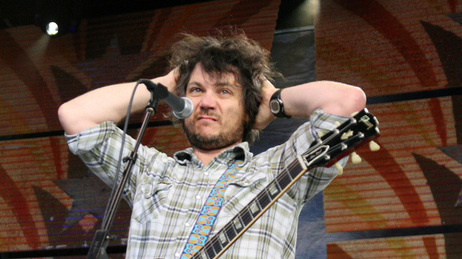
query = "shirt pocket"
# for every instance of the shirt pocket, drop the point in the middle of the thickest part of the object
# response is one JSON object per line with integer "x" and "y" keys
{"x": 241, "y": 191}
{"x": 277, "y": 220}
{"x": 150, "y": 201}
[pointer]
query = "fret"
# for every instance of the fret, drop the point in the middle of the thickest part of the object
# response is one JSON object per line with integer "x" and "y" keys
{"x": 214, "y": 251}
{"x": 295, "y": 170}
{"x": 254, "y": 207}
{"x": 231, "y": 231}
{"x": 273, "y": 190}
{"x": 238, "y": 223}
{"x": 223, "y": 238}
{"x": 284, "y": 179}
{"x": 217, "y": 246}
{"x": 246, "y": 216}
{"x": 205, "y": 256}
{"x": 277, "y": 185}
{"x": 201, "y": 255}
{"x": 210, "y": 252}
{"x": 268, "y": 195}
{"x": 263, "y": 199}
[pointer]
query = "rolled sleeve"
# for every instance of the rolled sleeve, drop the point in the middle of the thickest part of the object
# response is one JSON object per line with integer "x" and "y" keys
{"x": 99, "y": 149}
{"x": 88, "y": 139}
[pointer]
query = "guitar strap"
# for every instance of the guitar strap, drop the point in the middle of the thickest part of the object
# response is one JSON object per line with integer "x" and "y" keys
{"x": 209, "y": 212}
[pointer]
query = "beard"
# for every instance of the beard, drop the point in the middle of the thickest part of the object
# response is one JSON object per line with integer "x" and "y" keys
{"x": 220, "y": 141}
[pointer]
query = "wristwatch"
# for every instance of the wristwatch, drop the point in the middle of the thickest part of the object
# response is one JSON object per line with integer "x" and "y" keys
{"x": 277, "y": 106}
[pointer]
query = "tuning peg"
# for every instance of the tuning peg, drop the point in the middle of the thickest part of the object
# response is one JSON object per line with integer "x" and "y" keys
{"x": 373, "y": 146}
{"x": 355, "y": 158}
{"x": 347, "y": 135}
{"x": 339, "y": 168}
{"x": 337, "y": 123}
{"x": 354, "y": 113}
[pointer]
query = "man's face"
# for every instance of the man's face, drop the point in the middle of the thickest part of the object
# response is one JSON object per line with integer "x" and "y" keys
{"x": 218, "y": 118}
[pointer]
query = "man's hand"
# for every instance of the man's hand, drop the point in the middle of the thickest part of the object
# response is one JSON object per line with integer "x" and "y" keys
{"x": 264, "y": 116}
{"x": 170, "y": 80}
{"x": 301, "y": 100}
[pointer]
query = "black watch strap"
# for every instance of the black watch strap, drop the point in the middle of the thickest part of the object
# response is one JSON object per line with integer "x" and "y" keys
{"x": 277, "y": 106}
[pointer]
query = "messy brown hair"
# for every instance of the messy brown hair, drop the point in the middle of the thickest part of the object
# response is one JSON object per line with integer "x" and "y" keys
{"x": 232, "y": 53}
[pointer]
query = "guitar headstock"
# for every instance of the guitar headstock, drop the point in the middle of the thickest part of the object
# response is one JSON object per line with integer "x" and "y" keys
{"x": 340, "y": 142}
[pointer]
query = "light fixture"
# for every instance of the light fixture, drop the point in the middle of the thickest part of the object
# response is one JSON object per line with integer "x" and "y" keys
{"x": 52, "y": 28}
{"x": 57, "y": 17}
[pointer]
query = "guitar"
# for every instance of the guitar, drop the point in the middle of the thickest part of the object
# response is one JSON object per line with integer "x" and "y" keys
{"x": 326, "y": 151}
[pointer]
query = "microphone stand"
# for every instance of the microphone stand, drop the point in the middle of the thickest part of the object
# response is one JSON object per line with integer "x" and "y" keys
{"x": 102, "y": 238}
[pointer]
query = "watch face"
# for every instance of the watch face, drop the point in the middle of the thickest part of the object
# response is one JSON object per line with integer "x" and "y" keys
{"x": 275, "y": 107}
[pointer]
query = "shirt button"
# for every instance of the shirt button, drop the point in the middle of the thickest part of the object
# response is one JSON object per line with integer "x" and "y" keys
{"x": 187, "y": 224}
{"x": 206, "y": 173}
{"x": 198, "y": 197}
{"x": 177, "y": 254}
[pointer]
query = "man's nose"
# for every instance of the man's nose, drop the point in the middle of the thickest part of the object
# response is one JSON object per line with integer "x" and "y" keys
{"x": 208, "y": 101}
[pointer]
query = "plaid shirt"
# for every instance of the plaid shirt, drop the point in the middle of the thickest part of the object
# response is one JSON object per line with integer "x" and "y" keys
{"x": 167, "y": 194}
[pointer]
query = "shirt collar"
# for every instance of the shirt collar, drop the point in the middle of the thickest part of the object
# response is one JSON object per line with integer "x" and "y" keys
{"x": 240, "y": 151}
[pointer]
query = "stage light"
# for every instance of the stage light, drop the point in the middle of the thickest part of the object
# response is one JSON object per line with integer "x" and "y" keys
{"x": 52, "y": 28}
{"x": 57, "y": 17}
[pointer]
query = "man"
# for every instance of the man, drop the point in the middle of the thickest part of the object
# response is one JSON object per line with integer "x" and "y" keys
{"x": 227, "y": 81}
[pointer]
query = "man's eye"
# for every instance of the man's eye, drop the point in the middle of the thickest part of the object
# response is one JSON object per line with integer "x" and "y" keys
{"x": 195, "y": 90}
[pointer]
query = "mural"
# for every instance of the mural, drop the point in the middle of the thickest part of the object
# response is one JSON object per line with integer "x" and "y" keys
{"x": 403, "y": 201}
{"x": 406, "y": 56}
{"x": 49, "y": 201}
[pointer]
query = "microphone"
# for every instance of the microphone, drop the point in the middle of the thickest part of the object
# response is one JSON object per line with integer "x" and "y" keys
{"x": 182, "y": 106}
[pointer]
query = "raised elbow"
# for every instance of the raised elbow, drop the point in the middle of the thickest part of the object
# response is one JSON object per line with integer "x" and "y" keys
{"x": 69, "y": 118}
{"x": 64, "y": 116}
{"x": 357, "y": 99}
{"x": 346, "y": 99}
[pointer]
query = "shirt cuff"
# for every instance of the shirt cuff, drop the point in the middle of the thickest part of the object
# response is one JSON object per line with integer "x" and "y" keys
{"x": 89, "y": 138}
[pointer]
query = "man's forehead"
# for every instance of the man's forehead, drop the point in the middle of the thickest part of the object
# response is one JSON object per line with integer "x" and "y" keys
{"x": 216, "y": 84}
{"x": 218, "y": 79}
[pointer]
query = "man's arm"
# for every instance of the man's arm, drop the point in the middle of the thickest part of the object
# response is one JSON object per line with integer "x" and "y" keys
{"x": 106, "y": 104}
{"x": 332, "y": 97}
{"x": 302, "y": 100}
